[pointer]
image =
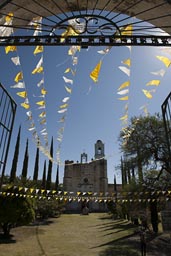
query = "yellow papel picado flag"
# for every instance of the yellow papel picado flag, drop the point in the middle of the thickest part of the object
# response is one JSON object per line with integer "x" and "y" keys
{"x": 18, "y": 77}
{"x": 95, "y": 73}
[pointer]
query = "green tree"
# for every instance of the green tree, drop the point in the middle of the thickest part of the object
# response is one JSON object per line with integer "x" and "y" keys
{"x": 43, "y": 185}
{"x": 25, "y": 163}
{"x": 144, "y": 142}
{"x": 48, "y": 208}
{"x": 57, "y": 178}
{"x": 15, "y": 158}
{"x": 49, "y": 175}
{"x": 36, "y": 166}
{"x": 15, "y": 211}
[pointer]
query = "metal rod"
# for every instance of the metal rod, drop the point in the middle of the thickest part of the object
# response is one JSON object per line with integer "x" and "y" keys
{"x": 85, "y": 41}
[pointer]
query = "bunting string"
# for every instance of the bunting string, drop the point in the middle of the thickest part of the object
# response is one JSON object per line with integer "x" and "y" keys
{"x": 69, "y": 196}
{"x": 20, "y": 84}
{"x": 124, "y": 88}
{"x": 154, "y": 83}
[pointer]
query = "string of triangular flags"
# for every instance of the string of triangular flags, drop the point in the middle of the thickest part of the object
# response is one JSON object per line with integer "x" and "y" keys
{"x": 68, "y": 76}
{"x": 68, "y": 196}
{"x": 20, "y": 84}
{"x": 154, "y": 83}
{"x": 6, "y": 29}
{"x": 39, "y": 69}
{"x": 124, "y": 88}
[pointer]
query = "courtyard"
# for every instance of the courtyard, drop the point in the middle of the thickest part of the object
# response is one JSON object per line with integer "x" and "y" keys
{"x": 96, "y": 234}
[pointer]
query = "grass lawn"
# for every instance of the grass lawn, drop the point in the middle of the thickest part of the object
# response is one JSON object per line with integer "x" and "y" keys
{"x": 73, "y": 235}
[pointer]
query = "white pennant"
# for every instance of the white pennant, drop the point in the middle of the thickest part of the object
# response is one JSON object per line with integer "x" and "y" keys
{"x": 70, "y": 81}
{"x": 65, "y": 99}
{"x": 18, "y": 85}
{"x": 161, "y": 72}
{"x": 40, "y": 83}
{"x": 125, "y": 70}
{"x": 123, "y": 92}
{"x": 16, "y": 60}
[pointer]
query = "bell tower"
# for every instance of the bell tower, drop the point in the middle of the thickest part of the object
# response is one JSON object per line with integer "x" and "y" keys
{"x": 99, "y": 150}
{"x": 84, "y": 158}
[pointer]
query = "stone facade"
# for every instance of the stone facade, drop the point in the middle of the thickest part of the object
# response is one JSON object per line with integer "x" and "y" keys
{"x": 87, "y": 177}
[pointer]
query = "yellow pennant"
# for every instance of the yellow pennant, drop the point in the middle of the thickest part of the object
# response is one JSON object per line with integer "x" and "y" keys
{"x": 41, "y": 103}
{"x": 124, "y": 117}
{"x": 10, "y": 48}
{"x": 147, "y": 94}
{"x": 68, "y": 32}
{"x": 95, "y": 73}
{"x": 124, "y": 85}
{"x": 68, "y": 89}
{"x": 67, "y": 70}
{"x": 38, "y": 49}
{"x": 127, "y": 30}
{"x": 37, "y": 70}
{"x": 42, "y": 114}
{"x": 43, "y": 121}
{"x": 18, "y": 77}
{"x": 153, "y": 82}
{"x": 9, "y": 17}
{"x": 31, "y": 190}
{"x": 165, "y": 60}
{"x": 64, "y": 106}
{"x": 123, "y": 98}
{"x": 43, "y": 91}
{"x": 25, "y": 105}
{"x": 127, "y": 62}
{"x": 22, "y": 94}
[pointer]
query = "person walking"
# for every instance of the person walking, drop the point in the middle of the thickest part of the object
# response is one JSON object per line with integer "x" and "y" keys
{"x": 143, "y": 241}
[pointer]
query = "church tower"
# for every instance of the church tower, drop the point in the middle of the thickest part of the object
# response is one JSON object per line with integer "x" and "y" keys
{"x": 84, "y": 158}
{"x": 99, "y": 150}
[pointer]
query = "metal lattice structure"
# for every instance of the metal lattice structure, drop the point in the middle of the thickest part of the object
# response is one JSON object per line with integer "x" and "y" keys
{"x": 7, "y": 115}
{"x": 94, "y": 22}
{"x": 166, "y": 113}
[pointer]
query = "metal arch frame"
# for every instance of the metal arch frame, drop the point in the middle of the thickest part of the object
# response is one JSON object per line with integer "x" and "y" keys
{"x": 88, "y": 18}
{"x": 6, "y": 124}
{"x": 89, "y": 36}
{"x": 85, "y": 41}
{"x": 166, "y": 114}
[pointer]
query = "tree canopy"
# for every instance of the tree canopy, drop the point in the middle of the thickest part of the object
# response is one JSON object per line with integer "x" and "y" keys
{"x": 144, "y": 145}
{"x": 15, "y": 211}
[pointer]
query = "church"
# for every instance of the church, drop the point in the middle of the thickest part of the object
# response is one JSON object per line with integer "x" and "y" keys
{"x": 87, "y": 177}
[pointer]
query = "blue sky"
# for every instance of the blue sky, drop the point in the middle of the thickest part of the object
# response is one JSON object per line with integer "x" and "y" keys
{"x": 94, "y": 110}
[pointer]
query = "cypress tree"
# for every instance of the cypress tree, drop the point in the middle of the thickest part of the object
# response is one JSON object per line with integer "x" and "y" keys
{"x": 15, "y": 157}
{"x": 44, "y": 176}
{"x": 115, "y": 185}
{"x": 49, "y": 175}
{"x": 25, "y": 162}
{"x": 36, "y": 166}
{"x": 57, "y": 178}
{"x": 122, "y": 173}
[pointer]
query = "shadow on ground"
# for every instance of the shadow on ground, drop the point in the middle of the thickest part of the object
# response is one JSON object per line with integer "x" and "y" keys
{"x": 157, "y": 245}
{"x": 122, "y": 247}
{"x": 7, "y": 240}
